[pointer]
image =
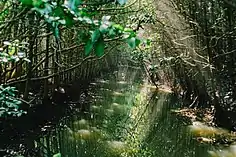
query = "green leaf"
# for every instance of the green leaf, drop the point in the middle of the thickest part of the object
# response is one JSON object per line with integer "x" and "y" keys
{"x": 147, "y": 42}
{"x": 69, "y": 21}
{"x": 122, "y": 2}
{"x": 18, "y": 115}
{"x": 58, "y": 12}
{"x": 137, "y": 42}
{"x": 95, "y": 36}
{"x": 88, "y": 47}
{"x": 88, "y": 20}
{"x": 27, "y": 2}
{"x": 119, "y": 27}
{"x": 72, "y": 4}
{"x": 12, "y": 51}
{"x": 46, "y": 9}
{"x": 99, "y": 47}
{"x": 57, "y": 155}
{"x": 131, "y": 42}
{"x": 103, "y": 28}
{"x": 128, "y": 30}
{"x": 112, "y": 33}
{"x": 38, "y": 3}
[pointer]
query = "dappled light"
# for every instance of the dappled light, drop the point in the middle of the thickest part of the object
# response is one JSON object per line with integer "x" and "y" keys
{"x": 229, "y": 152}
{"x": 200, "y": 129}
{"x": 137, "y": 124}
{"x": 117, "y": 78}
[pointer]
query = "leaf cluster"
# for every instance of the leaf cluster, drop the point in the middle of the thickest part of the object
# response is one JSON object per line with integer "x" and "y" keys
{"x": 71, "y": 12}
{"x": 9, "y": 104}
{"x": 13, "y": 51}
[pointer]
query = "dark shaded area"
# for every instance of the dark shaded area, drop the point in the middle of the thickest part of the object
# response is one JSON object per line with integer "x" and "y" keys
{"x": 15, "y": 130}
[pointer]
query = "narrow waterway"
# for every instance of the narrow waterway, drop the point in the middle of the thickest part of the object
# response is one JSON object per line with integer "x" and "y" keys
{"x": 126, "y": 118}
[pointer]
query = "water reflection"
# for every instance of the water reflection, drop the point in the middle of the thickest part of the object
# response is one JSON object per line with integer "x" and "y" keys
{"x": 127, "y": 120}
{"x": 228, "y": 152}
{"x": 200, "y": 129}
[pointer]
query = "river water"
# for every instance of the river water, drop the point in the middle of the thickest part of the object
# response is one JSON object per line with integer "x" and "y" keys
{"x": 125, "y": 118}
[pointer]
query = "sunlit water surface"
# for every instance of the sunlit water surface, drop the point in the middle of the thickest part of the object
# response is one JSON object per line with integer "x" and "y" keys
{"x": 125, "y": 118}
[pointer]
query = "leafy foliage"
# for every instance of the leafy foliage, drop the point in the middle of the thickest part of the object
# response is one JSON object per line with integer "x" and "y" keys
{"x": 133, "y": 42}
{"x": 71, "y": 12}
{"x": 11, "y": 52}
{"x": 9, "y": 105}
{"x": 58, "y": 14}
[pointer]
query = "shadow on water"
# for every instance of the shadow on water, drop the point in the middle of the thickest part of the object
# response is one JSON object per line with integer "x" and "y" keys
{"x": 126, "y": 118}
